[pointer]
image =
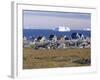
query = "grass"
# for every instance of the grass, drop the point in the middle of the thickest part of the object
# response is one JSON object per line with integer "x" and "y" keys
{"x": 33, "y": 59}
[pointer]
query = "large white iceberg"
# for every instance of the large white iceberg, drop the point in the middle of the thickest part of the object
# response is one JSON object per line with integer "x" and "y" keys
{"x": 63, "y": 28}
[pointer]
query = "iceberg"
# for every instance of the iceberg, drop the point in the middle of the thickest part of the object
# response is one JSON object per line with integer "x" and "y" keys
{"x": 63, "y": 29}
{"x": 87, "y": 29}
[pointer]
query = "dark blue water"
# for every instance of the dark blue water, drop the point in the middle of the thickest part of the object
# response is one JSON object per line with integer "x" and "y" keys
{"x": 42, "y": 32}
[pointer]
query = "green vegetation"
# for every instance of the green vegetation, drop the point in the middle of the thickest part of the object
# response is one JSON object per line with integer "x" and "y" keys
{"x": 32, "y": 46}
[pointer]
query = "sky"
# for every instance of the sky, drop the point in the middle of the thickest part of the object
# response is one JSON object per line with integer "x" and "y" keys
{"x": 51, "y": 20}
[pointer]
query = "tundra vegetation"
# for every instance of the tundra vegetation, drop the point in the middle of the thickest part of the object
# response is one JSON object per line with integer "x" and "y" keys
{"x": 71, "y": 57}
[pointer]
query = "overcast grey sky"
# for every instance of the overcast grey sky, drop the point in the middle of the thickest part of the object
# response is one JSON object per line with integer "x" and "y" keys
{"x": 51, "y": 20}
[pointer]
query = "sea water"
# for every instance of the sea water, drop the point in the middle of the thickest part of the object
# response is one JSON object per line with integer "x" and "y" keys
{"x": 46, "y": 32}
